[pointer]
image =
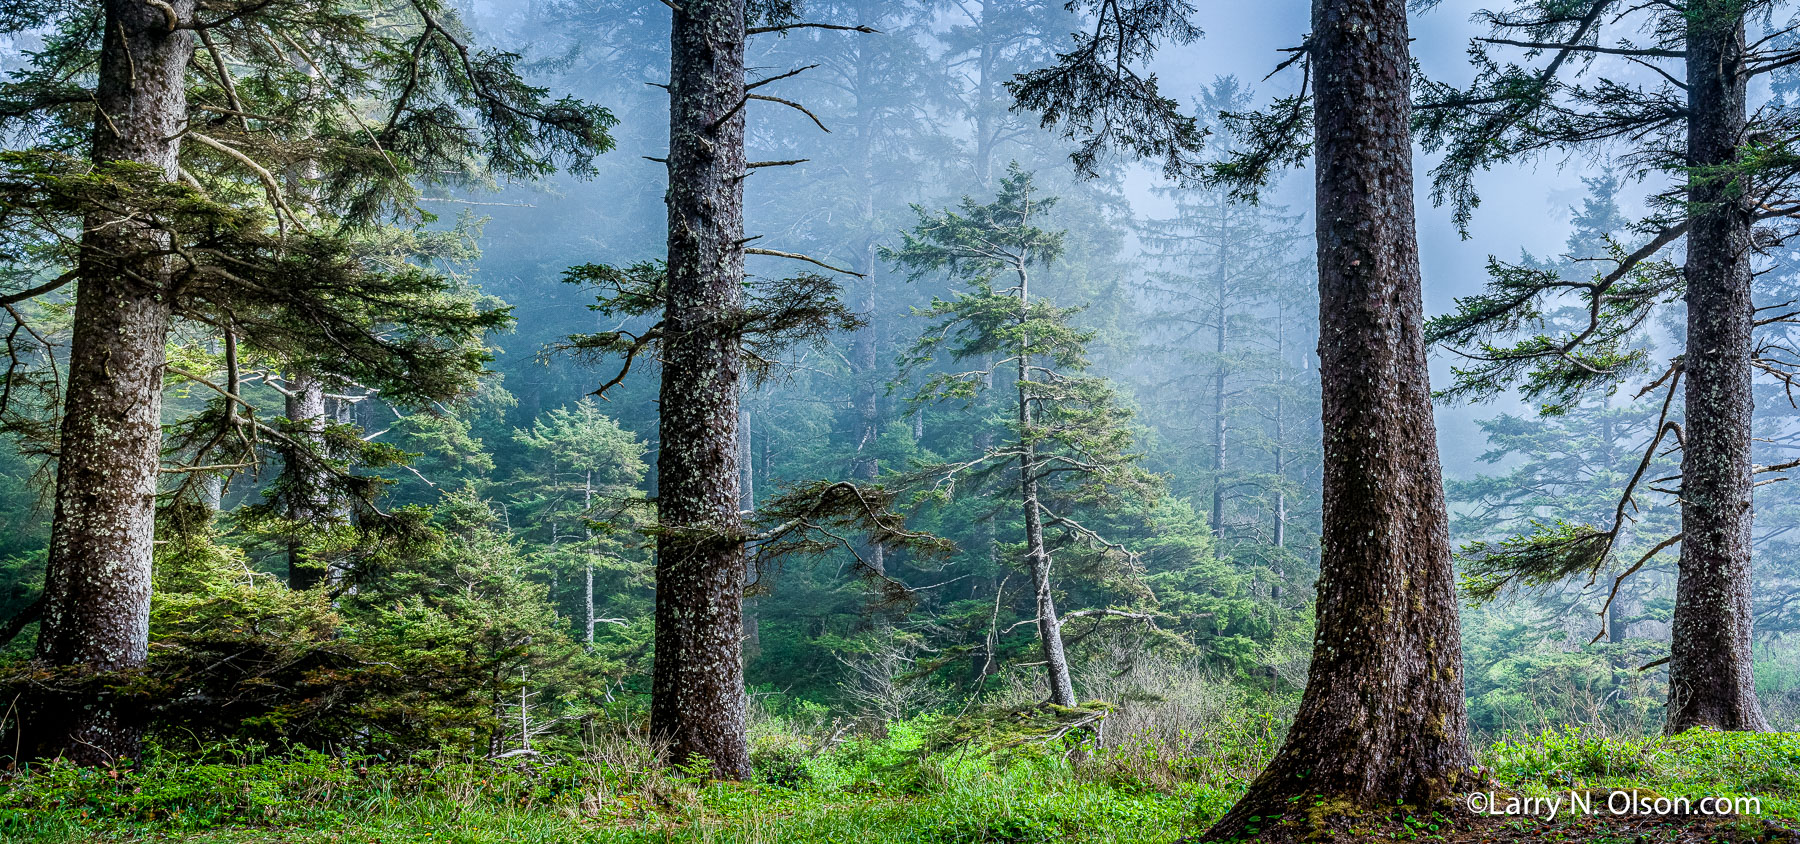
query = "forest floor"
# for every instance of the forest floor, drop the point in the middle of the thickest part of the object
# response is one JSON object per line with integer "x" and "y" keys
{"x": 875, "y": 791}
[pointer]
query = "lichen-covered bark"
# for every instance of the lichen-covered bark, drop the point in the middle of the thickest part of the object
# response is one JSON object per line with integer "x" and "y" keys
{"x": 697, "y": 694}
{"x": 1382, "y": 718}
{"x": 97, "y": 584}
{"x": 1710, "y": 681}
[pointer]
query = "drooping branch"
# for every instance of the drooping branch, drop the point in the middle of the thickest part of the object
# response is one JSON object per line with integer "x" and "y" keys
{"x": 793, "y": 105}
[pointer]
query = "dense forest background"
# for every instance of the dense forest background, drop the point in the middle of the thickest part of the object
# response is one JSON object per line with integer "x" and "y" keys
{"x": 523, "y": 590}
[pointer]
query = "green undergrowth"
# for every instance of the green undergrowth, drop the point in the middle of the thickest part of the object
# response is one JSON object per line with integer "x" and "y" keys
{"x": 891, "y": 786}
{"x": 1694, "y": 764}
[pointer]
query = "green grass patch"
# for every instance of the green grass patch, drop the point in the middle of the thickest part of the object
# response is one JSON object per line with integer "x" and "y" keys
{"x": 1695, "y": 764}
{"x": 886, "y": 789}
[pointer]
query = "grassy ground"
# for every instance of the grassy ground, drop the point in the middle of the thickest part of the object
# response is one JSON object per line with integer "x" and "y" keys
{"x": 867, "y": 791}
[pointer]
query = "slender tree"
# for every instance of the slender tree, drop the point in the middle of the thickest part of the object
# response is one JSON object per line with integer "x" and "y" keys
{"x": 1070, "y": 443}
{"x": 579, "y": 490}
{"x": 877, "y": 96}
{"x": 1220, "y": 266}
{"x": 709, "y": 334}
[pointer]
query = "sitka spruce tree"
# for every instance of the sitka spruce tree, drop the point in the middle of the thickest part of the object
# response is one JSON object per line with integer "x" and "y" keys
{"x": 1382, "y": 718}
{"x": 97, "y": 586}
{"x": 158, "y": 130}
{"x": 1689, "y": 120}
{"x": 714, "y": 326}
{"x": 1071, "y": 441}
{"x": 697, "y": 695}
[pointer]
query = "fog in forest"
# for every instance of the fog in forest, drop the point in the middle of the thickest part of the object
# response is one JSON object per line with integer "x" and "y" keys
{"x": 987, "y": 422}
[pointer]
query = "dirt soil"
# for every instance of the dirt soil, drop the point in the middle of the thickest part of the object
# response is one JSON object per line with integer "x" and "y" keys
{"x": 1464, "y": 827}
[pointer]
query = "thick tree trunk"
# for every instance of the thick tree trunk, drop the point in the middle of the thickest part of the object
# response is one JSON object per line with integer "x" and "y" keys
{"x": 97, "y": 583}
{"x": 1710, "y": 679}
{"x": 306, "y": 488}
{"x": 1037, "y": 557}
{"x": 1382, "y": 718}
{"x": 697, "y": 692}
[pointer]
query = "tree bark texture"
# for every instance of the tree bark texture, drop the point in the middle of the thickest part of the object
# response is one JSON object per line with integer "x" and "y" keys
{"x": 1710, "y": 678}
{"x": 97, "y": 584}
{"x": 697, "y": 693}
{"x": 1382, "y": 719}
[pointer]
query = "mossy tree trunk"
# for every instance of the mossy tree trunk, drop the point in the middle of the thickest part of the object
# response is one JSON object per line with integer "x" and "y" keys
{"x": 97, "y": 584}
{"x": 1382, "y": 718}
{"x": 697, "y": 693}
{"x": 1710, "y": 677}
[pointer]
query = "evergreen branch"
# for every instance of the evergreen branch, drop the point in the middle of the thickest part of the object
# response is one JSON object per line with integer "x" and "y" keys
{"x": 792, "y": 73}
{"x": 225, "y": 82}
{"x": 1096, "y": 96}
{"x": 39, "y": 290}
{"x": 271, "y": 187}
{"x": 1620, "y": 580}
{"x": 1586, "y": 48}
{"x": 1090, "y": 535}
